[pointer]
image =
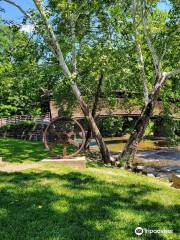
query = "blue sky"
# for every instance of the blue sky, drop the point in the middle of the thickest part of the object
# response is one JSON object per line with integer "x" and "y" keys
{"x": 11, "y": 13}
{"x": 165, "y": 5}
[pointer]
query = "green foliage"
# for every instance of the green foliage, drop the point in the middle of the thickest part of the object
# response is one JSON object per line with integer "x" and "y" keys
{"x": 20, "y": 126}
{"x": 63, "y": 96}
{"x": 149, "y": 129}
{"x": 7, "y": 110}
{"x": 167, "y": 127}
{"x": 110, "y": 126}
{"x": 128, "y": 125}
{"x": 36, "y": 111}
{"x": 20, "y": 72}
{"x": 104, "y": 43}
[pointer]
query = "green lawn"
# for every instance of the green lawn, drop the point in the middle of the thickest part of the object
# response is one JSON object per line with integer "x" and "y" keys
{"x": 13, "y": 150}
{"x": 54, "y": 202}
{"x": 20, "y": 151}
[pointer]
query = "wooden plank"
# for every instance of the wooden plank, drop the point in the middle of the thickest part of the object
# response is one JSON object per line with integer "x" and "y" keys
{"x": 79, "y": 162}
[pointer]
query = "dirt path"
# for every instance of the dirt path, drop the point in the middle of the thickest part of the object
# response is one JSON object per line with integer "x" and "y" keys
{"x": 17, "y": 167}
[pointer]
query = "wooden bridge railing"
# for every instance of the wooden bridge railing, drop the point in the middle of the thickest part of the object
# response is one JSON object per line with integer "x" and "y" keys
{"x": 20, "y": 118}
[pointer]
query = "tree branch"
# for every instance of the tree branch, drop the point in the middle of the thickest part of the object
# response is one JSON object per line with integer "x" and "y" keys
{"x": 163, "y": 53}
{"x": 172, "y": 73}
{"x": 56, "y": 48}
{"x": 94, "y": 108}
{"x": 165, "y": 46}
{"x": 73, "y": 20}
{"x": 148, "y": 39}
{"x": 54, "y": 40}
{"x": 19, "y": 7}
{"x": 140, "y": 58}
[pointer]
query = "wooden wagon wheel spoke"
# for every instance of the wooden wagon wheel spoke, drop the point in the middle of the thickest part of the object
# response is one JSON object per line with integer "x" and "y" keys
{"x": 64, "y": 131}
{"x": 53, "y": 144}
{"x": 64, "y": 150}
{"x": 70, "y": 134}
{"x": 73, "y": 142}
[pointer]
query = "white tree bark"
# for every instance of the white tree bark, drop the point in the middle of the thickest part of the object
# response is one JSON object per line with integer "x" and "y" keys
{"x": 148, "y": 39}
{"x": 140, "y": 57}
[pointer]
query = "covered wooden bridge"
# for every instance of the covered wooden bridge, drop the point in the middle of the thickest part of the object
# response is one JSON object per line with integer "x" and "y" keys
{"x": 120, "y": 109}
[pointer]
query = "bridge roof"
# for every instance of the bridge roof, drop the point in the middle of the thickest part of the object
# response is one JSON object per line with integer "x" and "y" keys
{"x": 121, "y": 109}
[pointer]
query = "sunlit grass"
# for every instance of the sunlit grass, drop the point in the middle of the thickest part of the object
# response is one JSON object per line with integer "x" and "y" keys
{"x": 62, "y": 203}
{"x": 56, "y": 202}
{"x": 13, "y": 150}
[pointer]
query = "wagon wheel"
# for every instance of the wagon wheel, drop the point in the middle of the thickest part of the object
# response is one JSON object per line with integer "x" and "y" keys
{"x": 64, "y": 137}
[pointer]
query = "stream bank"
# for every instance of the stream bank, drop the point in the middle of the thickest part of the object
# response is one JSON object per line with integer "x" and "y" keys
{"x": 154, "y": 157}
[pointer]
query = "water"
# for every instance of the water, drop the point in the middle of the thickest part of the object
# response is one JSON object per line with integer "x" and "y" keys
{"x": 162, "y": 160}
{"x": 147, "y": 149}
{"x": 163, "y": 154}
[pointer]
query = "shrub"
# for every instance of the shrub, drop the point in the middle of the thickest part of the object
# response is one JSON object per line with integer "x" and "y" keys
{"x": 110, "y": 126}
{"x": 7, "y": 110}
{"x": 18, "y": 130}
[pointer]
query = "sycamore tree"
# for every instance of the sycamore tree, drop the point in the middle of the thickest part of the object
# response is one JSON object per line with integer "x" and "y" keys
{"x": 102, "y": 55}
{"x": 153, "y": 37}
{"x": 49, "y": 36}
{"x": 92, "y": 54}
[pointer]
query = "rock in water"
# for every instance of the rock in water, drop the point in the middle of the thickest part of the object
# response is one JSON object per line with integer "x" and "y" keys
{"x": 176, "y": 181}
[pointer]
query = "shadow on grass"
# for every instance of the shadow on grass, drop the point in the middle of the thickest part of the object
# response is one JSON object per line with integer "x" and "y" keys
{"x": 14, "y": 150}
{"x": 76, "y": 206}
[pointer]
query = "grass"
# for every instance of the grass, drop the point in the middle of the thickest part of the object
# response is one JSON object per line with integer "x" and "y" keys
{"x": 54, "y": 202}
{"x": 18, "y": 151}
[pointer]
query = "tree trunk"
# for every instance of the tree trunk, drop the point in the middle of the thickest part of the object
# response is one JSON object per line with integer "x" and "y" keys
{"x": 60, "y": 58}
{"x": 94, "y": 110}
{"x": 130, "y": 148}
{"x": 95, "y": 131}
